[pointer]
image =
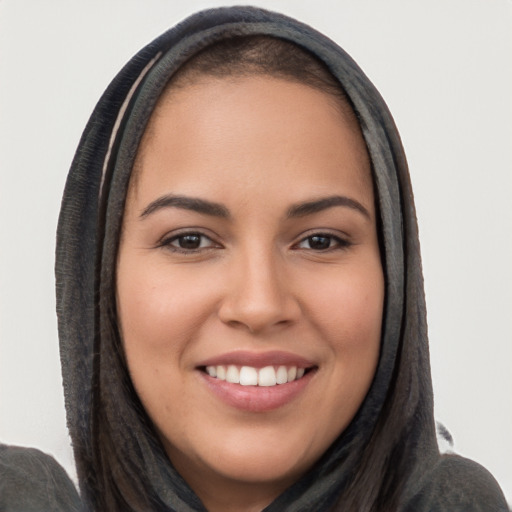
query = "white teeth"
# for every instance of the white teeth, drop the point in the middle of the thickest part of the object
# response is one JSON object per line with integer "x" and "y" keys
{"x": 282, "y": 375}
{"x": 233, "y": 375}
{"x": 267, "y": 376}
{"x": 250, "y": 376}
{"x": 221, "y": 372}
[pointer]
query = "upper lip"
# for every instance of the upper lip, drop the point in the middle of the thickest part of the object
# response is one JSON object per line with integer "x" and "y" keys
{"x": 257, "y": 359}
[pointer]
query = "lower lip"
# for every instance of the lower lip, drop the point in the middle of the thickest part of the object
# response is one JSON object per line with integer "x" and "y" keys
{"x": 257, "y": 398}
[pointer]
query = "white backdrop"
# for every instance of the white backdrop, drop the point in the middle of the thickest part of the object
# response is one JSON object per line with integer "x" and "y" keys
{"x": 445, "y": 69}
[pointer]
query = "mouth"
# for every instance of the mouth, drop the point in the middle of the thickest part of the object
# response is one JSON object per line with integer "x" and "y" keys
{"x": 257, "y": 382}
{"x": 267, "y": 376}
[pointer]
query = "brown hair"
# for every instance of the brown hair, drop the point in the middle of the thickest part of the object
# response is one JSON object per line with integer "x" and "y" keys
{"x": 249, "y": 56}
{"x": 261, "y": 55}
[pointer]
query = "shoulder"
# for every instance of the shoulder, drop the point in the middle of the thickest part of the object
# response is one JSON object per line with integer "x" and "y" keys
{"x": 31, "y": 480}
{"x": 456, "y": 484}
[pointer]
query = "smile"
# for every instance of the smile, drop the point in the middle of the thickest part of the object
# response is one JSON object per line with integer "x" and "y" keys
{"x": 257, "y": 382}
{"x": 251, "y": 376}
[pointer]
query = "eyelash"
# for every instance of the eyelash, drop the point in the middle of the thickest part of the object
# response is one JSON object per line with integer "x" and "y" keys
{"x": 167, "y": 242}
{"x": 339, "y": 243}
{"x": 335, "y": 242}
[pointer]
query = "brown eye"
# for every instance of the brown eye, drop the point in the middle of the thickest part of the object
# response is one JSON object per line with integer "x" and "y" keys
{"x": 323, "y": 242}
{"x": 319, "y": 242}
{"x": 188, "y": 241}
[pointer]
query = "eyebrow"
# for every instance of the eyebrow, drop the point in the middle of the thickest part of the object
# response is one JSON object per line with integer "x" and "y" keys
{"x": 187, "y": 203}
{"x": 218, "y": 210}
{"x": 311, "y": 207}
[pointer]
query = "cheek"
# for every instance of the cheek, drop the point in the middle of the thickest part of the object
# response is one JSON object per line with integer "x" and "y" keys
{"x": 347, "y": 310}
{"x": 352, "y": 320}
{"x": 158, "y": 310}
{"x": 160, "y": 313}
{"x": 347, "y": 305}
{"x": 165, "y": 313}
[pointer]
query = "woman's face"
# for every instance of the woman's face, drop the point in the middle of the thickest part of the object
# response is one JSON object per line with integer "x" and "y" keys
{"x": 249, "y": 255}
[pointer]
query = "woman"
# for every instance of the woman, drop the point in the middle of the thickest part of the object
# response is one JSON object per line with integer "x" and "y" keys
{"x": 300, "y": 253}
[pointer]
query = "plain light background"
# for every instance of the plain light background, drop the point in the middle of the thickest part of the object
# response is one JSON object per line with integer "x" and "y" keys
{"x": 445, "y": 69}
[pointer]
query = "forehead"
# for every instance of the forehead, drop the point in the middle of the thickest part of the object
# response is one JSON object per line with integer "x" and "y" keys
{"x": 249, "y": 128}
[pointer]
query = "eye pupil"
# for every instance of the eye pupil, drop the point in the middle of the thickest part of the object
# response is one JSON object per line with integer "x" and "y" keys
{"x": 189, "y": 241}
{"x": 319, "y": 242}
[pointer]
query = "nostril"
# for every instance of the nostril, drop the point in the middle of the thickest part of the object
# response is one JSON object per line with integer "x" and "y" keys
{"x": 239, "y": 325}
{"x": 258, "y": 317}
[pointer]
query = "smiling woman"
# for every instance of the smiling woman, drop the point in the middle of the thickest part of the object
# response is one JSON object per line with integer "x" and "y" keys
{"x": 239, "y": 287}
{"x": 248, "y": 329}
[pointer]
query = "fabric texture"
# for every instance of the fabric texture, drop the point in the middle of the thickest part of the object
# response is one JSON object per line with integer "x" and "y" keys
{"x": 393, "y": 433}
{"x": 31, "y": 481}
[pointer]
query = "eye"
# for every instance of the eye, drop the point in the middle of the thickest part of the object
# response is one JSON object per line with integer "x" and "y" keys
{"x": 322, "y": 242}
{"x": 188, "y": 242}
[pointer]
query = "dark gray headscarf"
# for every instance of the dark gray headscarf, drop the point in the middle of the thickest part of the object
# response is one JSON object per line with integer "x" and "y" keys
{"x": 387, "y": 459}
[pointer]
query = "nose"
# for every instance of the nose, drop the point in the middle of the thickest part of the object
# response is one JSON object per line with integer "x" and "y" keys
{"x": 259, "y": 294}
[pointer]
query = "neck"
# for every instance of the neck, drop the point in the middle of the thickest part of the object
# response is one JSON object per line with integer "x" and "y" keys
{"x": 220, "y": 494}
{"x": 241, "y": 498}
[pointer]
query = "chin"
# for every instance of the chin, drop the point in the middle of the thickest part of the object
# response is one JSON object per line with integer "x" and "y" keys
{"x": 272, "y": 457}
{"x": 262, "y": 465}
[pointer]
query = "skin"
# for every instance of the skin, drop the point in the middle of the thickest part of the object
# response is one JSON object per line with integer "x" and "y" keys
{"x": 257, "y": 146}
